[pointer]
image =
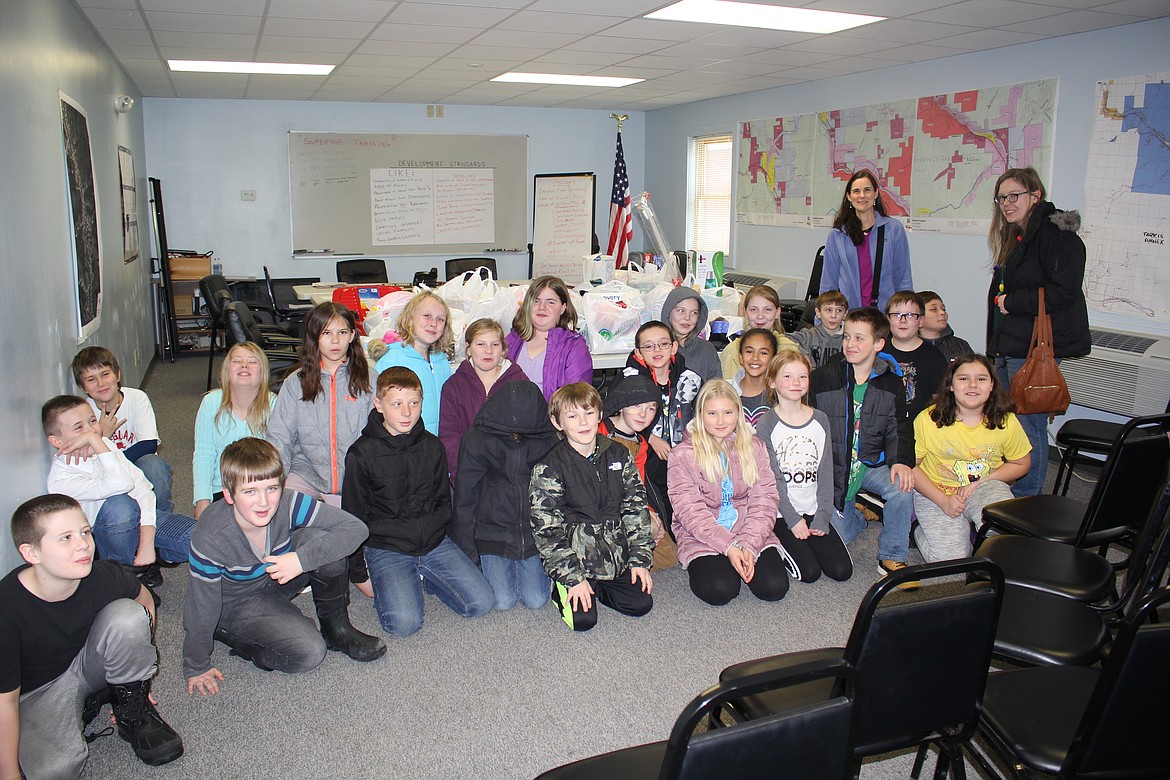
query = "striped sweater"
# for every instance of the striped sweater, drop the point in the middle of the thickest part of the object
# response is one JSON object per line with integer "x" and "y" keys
{"x": 226, "y": 570}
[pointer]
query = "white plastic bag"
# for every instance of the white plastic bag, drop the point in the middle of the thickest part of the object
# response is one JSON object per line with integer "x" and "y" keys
{"x": 467, "y": 288}
{"x": 722, "y": 302}
{"x": 597, "y": 269}
{"x": 642, "y": 278}
{"x": 501, "y": 307}
{"x": 655, "y": 297}
{"x": 384, "y": 314}
{"x": 613, "y": 312}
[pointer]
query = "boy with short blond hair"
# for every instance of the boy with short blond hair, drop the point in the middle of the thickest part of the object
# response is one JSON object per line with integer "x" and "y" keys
{"x": 823, "y": 340}
{"x": 589, "y": 516}
{"x": 396, "y": 483}
{"x": 126, "y": 417}
{"x": 115, "y": 496}
{"x": 72, "y": 630}
{"x": 935, "y": 330}
{"x": 252, "y": 552}
{"x": 873, "y": 443}
{"x": 922, "y": 365}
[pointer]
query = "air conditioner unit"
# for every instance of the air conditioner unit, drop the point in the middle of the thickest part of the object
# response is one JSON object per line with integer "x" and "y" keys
{"x": 785, "y": 286}
{"x": 1125, "y": 373}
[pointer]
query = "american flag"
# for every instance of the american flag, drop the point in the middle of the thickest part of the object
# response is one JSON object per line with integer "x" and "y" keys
{"x": 621, "y": 218}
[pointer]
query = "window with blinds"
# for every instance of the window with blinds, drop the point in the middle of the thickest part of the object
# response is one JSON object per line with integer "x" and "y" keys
{"x": 710, "y": 223}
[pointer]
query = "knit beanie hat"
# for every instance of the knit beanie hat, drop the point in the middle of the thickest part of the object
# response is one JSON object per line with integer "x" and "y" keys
{"x": 631, "y": 389}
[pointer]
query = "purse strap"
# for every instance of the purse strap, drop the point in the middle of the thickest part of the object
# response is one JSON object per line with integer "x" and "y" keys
{"x": 875, "y": 288}
{"x": 1041, "y": 325}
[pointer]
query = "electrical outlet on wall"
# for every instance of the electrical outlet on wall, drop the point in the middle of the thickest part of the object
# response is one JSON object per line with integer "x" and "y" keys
{"x": 248, "y": 195}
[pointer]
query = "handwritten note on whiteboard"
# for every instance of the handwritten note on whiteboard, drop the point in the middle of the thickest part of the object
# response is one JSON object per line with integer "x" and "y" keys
{"x": 562, "y": 224}
{"x": 432, "y": 206}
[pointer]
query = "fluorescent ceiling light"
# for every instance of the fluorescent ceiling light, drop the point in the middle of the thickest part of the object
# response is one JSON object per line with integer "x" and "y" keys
{"x": 277, "y": 68}
{"x": 558, "y": 78}
{"x": 770, "y": 17}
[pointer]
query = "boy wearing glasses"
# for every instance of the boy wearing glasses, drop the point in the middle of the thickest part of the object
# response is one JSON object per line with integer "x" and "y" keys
{"x": 656, "y": 356}
{"x": 923, "y": 365}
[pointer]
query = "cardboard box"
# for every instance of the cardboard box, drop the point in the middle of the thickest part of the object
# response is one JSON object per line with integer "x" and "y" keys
{"x": 189, "y": 267}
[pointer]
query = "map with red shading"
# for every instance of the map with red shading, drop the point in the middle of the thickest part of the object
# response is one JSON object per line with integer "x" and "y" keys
{"x": 936, "y": 158}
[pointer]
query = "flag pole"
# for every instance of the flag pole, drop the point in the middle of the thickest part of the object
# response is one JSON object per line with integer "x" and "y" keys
{"x": 621, "y": 217}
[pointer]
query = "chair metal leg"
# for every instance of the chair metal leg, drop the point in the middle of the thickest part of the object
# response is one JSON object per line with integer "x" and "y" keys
{"x": 919, "y": 760}
{"x": 210, "y": 353}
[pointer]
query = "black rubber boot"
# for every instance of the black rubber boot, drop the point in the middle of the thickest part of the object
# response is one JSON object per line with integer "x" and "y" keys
{"x": 241, "y": 650}
{"x": 153, "y": 741}
{"x": 331, "y": 597}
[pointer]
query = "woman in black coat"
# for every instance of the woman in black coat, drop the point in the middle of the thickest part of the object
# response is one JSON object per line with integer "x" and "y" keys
{"x": 1035, "y": 245}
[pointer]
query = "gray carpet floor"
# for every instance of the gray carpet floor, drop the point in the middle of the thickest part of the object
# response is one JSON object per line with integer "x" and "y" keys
{"x": 504, "y": 696}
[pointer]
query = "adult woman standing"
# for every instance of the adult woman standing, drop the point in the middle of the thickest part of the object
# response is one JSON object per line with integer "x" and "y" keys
{"x": 1034, "y": 245}
{"x": 544, "y": 340}
{"x": 867, "y": 256}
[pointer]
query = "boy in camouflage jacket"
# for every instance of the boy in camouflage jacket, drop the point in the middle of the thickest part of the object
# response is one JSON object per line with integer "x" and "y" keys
{"x": 589, "y": 516}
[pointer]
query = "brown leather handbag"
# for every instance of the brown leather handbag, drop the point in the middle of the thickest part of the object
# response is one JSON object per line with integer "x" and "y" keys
{"x": 1039, "y": 387}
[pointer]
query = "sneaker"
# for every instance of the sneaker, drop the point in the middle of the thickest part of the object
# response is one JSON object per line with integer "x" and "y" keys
{"x": 889, "y": 567}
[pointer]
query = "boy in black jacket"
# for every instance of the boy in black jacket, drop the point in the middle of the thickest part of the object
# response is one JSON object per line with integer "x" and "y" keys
{"x": 510, "y": 435}
{"x": 396, "y": 482}
{"x": 864, "y": 398}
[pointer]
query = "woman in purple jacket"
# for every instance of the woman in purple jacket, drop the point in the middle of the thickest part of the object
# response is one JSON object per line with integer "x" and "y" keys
{"x": 544, "y": 340}
{"x": 474, "y": 381}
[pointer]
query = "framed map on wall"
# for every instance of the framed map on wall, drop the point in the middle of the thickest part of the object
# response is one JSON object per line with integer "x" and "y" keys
{"x": 83, "y": 216}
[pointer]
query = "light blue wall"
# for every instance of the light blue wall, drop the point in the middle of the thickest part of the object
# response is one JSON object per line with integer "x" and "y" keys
{"x": 206, "y": 151}
{"x": 956, "y": 266}
{"x": 46, "y": 46}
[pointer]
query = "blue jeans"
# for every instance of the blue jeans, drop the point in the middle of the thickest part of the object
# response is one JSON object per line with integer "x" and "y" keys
{"x": 115, "y": 529}
{"x": 1036, "y": 428}
{"x": 510, "y": 579}
{"x": 449, "y": 574}
{"x": 158, "y": 474}
{"x": 172, "y": 536}
{"x": 894, "y": 541}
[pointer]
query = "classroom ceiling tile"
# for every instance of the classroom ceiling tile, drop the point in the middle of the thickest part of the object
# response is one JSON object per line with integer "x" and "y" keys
{"x": 1004, "y": 12}
{"x": 433, "y": 33}
{"x": 430, "y": 50}
{"x": 448, "y": 15}
{"x": 203, "y": 23}
{"x": 346, "y": 10}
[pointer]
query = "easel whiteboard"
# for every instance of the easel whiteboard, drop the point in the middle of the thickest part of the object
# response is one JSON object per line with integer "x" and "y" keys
{"x": 562, "y": 223}
{"x": 407, "y": 193}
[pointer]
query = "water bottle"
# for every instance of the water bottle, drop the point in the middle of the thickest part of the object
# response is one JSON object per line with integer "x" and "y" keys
{"x": 217, "y": 268}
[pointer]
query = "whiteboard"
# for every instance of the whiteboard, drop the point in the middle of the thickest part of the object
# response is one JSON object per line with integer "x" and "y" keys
{"x": 407, "y": 193}
{"x": 562, "y": 223}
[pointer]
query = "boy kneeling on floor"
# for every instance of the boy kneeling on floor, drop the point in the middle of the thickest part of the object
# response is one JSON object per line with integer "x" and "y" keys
{"x": 589, "y": 516}
{"x": 72, "y": 630}
{"x": 251, "y": 554}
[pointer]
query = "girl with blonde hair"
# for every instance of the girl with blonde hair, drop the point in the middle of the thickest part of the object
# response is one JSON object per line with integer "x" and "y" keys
{"x": 725, "y": 502}
{"x": 427, "y": 345}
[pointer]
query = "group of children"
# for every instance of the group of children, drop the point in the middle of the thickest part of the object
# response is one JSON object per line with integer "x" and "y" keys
{"x": 486, "y": 487}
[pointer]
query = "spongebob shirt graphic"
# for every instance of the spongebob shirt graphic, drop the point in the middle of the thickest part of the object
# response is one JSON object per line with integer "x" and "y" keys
{"x": 958, "y": 455}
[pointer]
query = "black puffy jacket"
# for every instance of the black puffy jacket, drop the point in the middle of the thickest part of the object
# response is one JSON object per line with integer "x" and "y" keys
{"x": 1051, "y": 255}
{"x": 510, "y": 434}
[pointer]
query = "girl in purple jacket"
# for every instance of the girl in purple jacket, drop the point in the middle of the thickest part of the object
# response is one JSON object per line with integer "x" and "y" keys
{"x": 724, "y": 495}
{"x": 544, "y": 340}
{"x": 474, "y": 381}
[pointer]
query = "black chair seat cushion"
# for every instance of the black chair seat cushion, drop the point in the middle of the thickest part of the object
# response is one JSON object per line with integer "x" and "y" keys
{"x": 1051, "y": 567}
{"x": 1091, "y": 435}
{"x": 1055, "y": 518}
{"x": 637, "y": 763}
{"x": 1035, "y": 712}
{"x": 1040, "y": 629}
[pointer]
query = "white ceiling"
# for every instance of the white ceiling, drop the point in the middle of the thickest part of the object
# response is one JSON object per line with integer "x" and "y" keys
{"x": 445, "y": 51}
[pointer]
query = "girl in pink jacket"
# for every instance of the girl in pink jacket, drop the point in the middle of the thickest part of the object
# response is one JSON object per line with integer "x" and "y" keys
{"x": 724, "y": 495}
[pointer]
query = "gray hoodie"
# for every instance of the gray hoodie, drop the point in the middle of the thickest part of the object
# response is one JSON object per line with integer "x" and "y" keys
{"x": 699, "y": 354}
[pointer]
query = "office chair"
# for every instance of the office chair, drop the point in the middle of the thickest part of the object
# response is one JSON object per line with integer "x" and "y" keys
{"x": 798, "y": 314}
{"x": 461, "y": 265}
{"x": 284, "y": 300}
{"x": 362, "y": 270}
{"x": 426, "y": 278}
